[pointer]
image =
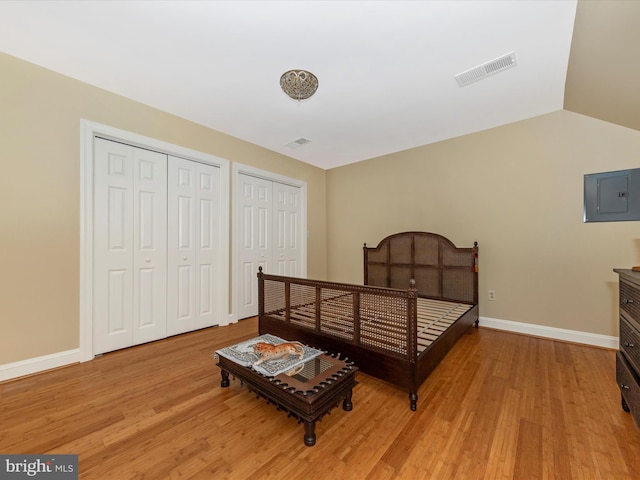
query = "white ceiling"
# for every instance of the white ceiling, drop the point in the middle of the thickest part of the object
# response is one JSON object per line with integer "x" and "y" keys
{"x": 385, "y": 69}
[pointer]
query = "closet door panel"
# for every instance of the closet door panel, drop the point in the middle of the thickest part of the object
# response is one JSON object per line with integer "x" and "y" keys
{"x": 208, "y": 296}
{"x": 129, "y": 245}
{"x": 181, "y": 217}
{"x": 150, "y": 245}
{"x": 118, "y": 313}
{"x": 255, "y": 208}
{"x": 184, "y": 296}
{"x": 194, "y": 216}
{"x": 113, "y": 246}
{"x": 288, "y": 235}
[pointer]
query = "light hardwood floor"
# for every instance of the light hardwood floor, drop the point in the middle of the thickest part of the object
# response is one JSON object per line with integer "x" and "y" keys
{"x": 499, "y": 406}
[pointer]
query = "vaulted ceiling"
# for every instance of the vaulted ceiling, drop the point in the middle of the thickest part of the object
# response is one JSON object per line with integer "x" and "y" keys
{"x": 603, "y": 78}
{"x": 386, "y": 68}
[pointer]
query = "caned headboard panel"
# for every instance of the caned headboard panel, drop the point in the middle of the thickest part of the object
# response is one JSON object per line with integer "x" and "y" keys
{"x": 441, "y": 270}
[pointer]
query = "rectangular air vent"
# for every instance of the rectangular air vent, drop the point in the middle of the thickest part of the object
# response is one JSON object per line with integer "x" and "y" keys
{"x": 298, "y": 142}
{"x": 486, "y": 69}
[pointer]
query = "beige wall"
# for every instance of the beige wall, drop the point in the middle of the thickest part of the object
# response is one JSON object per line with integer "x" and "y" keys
{"x": 40, "y": 114}
{"x": 518, "y": 191}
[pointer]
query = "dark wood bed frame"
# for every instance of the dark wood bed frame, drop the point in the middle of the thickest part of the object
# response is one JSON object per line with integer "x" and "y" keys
{"x": 429, "y": 264}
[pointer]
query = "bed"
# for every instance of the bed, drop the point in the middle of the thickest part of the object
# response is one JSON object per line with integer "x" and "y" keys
{"x": 420, "y": 295}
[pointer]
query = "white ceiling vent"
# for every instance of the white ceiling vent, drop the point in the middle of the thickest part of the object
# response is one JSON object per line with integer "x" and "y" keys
{"x": 298, "y": 142}
{"x": 486, "y": 69}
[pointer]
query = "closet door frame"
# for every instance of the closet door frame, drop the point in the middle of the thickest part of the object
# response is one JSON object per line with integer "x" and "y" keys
{"x": 240, "y": 169}
{"x": 88, "y": 131}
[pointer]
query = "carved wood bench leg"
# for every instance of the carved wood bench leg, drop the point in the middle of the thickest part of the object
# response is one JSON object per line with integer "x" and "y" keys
{"x": 347, "y": 406}
{"x": 413, "y": 397}
{"x": 309, "y": 433}
{"x": 225, "y": 379}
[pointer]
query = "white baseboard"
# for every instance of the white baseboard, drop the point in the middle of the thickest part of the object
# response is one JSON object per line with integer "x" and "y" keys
{"x": 47, "y": 362}
{"x": 573, "y": 336}
{"x": 30, "y": 366}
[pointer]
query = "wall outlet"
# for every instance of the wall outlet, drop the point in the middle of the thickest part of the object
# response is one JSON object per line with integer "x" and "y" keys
{"x": 492, "y": 295}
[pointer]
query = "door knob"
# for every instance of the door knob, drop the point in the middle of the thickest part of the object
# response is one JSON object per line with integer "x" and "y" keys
{"x": 147, "y": 259}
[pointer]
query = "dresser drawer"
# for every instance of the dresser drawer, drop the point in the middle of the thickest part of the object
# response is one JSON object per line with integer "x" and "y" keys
{"x": 630, "y": 343}
{"x": 629, "y": 386}
{"x": 630, "y": 299}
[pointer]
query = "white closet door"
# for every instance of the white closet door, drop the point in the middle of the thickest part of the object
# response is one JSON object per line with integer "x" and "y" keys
{"x": 287, "y": 230}
{"x": 209, "y": 298}
{"x": 181, "y": 278}
{"x": 193, "y": 295}
{"x": 130, "y": 246}
{"x": 255, "y": 222}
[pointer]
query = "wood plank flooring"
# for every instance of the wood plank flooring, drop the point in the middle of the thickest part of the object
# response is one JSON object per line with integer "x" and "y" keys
{"x": 499, "y": 406}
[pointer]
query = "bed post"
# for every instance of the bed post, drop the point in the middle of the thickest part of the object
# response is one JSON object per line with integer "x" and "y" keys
{"x": 260, "y": 293}
{"x": 475, "y": 277}
{"x": 287, "y": 300}
{"x": 366, "y": 264}
{"x": 412, "y": 342}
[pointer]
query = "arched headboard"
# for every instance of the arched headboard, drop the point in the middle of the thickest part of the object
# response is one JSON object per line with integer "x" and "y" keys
{"x": 441, "y": 270}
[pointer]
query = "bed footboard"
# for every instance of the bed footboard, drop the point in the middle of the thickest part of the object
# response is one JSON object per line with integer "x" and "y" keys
{"x": 375, "y": 325}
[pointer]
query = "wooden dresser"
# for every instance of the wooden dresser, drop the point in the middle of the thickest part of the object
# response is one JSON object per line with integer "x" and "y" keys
{"x": 628, "y": 357}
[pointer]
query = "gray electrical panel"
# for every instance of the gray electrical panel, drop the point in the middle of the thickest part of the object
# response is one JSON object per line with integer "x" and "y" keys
{"x": 612, "y": 196}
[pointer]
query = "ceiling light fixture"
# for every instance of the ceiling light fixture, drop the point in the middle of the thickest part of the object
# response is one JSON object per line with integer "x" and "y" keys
{"x": 299, "y": 84}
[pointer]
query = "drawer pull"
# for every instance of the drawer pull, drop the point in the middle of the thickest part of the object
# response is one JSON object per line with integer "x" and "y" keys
{"x": 628, "y": 300}
{"x": 624, "y": 387}
{"x": 629, "y": 344}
